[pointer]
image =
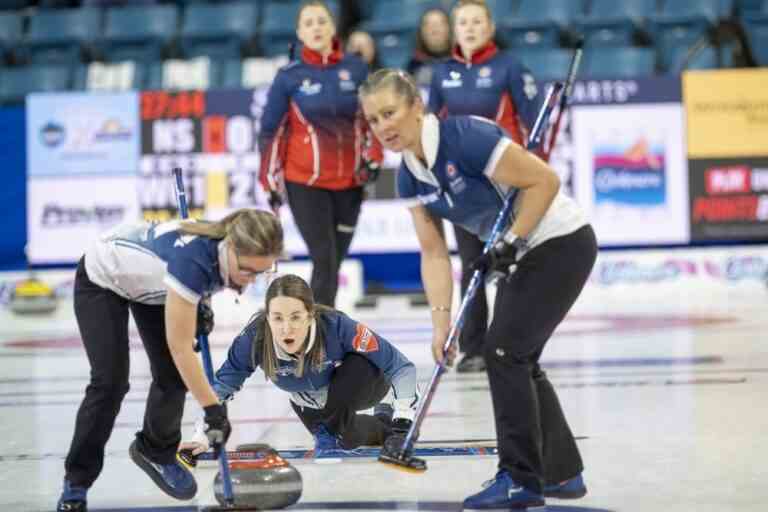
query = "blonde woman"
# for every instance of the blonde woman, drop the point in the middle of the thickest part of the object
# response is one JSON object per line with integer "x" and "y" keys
{"x": 159, "y": 273}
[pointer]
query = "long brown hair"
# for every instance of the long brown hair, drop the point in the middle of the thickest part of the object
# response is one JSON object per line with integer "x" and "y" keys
{"x": 293, "y": 286}
{"x": 251, "y": 232}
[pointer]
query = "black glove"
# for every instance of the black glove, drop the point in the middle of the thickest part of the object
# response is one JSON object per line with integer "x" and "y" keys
{"x": 499, "y": 257}
{"x": 275, "y": 201}
{"x": 204, "y": 319}
{"x": 401, "y": 425}
{"x": 217, "y": 426}
{"x": 368, "y": 172}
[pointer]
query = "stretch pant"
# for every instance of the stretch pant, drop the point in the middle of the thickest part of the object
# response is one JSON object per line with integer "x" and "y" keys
{"x": 535, "y": 442}
{"x": 476, "y": 318}
{"x": 356, "y": 385}
{"x": 326, "y": 220}
{"x": 102, "y": 316}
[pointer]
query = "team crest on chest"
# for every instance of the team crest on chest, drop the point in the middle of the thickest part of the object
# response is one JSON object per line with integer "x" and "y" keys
{"x": 455, "y": 180}
{"x": 484, "y": 79}
{"x": 345, "y": 80}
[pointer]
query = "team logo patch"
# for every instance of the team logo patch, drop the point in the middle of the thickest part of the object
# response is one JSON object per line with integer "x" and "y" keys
{"x": 344, "y": 75}
{"x": 484, "y": 72}
{"x": 365, "y": 340}
{"x": 310, "y": 89}
{"x": 450, "y": 170}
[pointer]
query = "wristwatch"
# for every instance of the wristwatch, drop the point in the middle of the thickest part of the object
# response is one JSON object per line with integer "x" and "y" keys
{"x": 518, "y": 242}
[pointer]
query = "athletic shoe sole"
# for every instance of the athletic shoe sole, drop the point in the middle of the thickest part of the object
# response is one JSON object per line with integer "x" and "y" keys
{"x": 149, "y": 468}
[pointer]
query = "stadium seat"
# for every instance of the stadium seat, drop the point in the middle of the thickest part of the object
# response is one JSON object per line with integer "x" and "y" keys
{"x": 757, "y": 35}
{"x": 13, "y": 5}
{"x": 219, "y": 31}
{"x": 684, "y": 57}
{"x": 620, "y": 62}
{"x": 61, "y": 35}
{"x": 540, "y": 22}
{"x": 396, "y": 15}
{"x": 394, "y": 49}
{"x": 16, "y": 83}
{"x": 10, "y": 32}
{"x": 690, "y": 15}
{"x": 193, "y": 74}
{"x": 614, "y": 23}
{"x": 98, "y": 76}
{"x": 138, "y": 33}
{"x": 750, "y": 6}
{"x": 546, "y": 64}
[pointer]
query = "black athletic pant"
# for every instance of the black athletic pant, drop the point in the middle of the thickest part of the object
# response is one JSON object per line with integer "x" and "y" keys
{"x": 476, "y": 318}
{"x": 326, "y": 220}
{"x": 355, "y": 385}
{"x": 535, "y": 442}
{"x": 102, "y": 316}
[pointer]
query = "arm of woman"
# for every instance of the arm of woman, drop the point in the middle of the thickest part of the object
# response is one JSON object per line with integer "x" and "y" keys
{"x": 271, "y": 134}
{"x": 436, "y": 275}
{"x": 537, "y": 182}
{"x": 180, "y": 326}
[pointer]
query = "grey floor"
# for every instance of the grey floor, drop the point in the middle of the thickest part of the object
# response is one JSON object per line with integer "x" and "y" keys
{"x": 667, "y": 389}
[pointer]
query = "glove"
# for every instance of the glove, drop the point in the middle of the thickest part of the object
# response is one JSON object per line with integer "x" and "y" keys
{"x": 275, "y": 201}
{"x": 204, "y": 319}
{"x": 217, "y": 427}
{"x": 368, "y": 172}
{"x": 199, "y": 442}
{"x": 500, "y": 257}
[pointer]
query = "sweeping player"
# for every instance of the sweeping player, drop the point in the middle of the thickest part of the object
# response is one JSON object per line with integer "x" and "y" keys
{"x": 481, "y": 80}
{"x": 459, "y": 169}
{"x": 158, "y": 272}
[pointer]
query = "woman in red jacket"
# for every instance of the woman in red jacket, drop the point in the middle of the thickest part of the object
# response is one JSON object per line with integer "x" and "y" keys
{"x": 315, "y": 145}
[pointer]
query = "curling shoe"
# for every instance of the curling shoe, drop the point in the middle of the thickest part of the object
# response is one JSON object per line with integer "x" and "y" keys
{"x": 73, "y": 499}
{"x": 324, "y": 440}
{"x": 173, "y": 479}
{"x": 571, "y": 489}
{"x": 384, "y": 410}
{"x": 471, "y": 364}
{"x": 503, "y": 493}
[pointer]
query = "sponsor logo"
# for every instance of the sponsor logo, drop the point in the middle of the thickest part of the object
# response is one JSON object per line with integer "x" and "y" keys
{"x": 727, "y": 180}
{"x": 309, "y": 89}
{"x": 112, "y": 130}
{"x": 344, "y": 75}
{"x": 529, "y": 86}
{"x": 365, "y": 340}
{"x": 633, "y": 175}
{"x": 453, "y": 81}
{"x": 485, "y": 72}
{"x": 52, "y": 134}
{"x": 63, "y": 216}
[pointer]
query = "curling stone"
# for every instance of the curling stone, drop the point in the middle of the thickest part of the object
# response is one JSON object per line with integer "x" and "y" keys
{"x": 32, "y": 296}
{"x": 267, "y": 483}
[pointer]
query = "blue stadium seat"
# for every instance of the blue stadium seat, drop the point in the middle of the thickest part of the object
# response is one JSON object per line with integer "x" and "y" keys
{"x": 396, "y": 15}
{"x": 620, "y": 62}
{"x": 81, "y": 80}
{"x": 750, "y": 6}
{"x": 219, "y": 30}
{"x": 11, "y": 5}
{"x": 690, "y": 15}
{"x": 757, "y": 34}
{"x": 546, "y": 64}
{"x": 138, "y": 33}
{"x": 501, "y": 8}
{"x": 231, "y": 74}
{"x": 16, "y": 83}
{"x": 539, "y": 22}
{"x": 614, "y": 23}
{"x": 61, "y": 35}
{"x": 683, "y": 57}
{"x": 394, "y": 49}
{"x": 157, "y": 78}
{"x": 10, "y": 32}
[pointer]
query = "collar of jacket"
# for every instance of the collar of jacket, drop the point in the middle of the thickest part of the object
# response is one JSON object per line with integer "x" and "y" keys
{"x": 316, "y": 58}
{"x": 481, "y": 55}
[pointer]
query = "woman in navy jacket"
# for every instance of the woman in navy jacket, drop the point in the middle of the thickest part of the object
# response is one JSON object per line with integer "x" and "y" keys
{"x": 331, "y": 365}
{"x": 316, "y": 147}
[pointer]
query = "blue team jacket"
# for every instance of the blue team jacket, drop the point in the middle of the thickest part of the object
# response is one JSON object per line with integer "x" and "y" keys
{"x": 340, "y": 336}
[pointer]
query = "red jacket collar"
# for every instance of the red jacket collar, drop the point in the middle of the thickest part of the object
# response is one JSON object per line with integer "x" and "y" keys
{"x": 480, "y": 56}
{"x": 316, "y": 59}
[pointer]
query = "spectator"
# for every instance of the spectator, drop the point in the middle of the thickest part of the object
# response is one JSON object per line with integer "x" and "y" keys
{"x": 361, "y": 43}
{"x": 433, "y": 43}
